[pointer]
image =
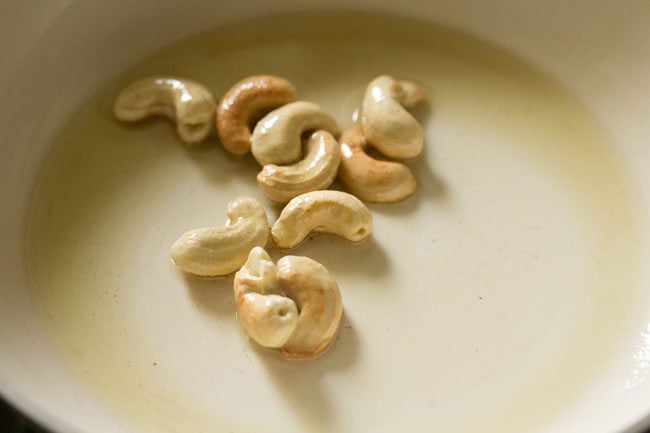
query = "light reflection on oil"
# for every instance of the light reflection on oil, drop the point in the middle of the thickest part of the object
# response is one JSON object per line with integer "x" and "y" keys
{"x": 639, "y": 373}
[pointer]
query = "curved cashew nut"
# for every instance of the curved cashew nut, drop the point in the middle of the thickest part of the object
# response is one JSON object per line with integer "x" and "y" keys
{"x": 315, "y": 172}
{"x": 385, "y": 121}
{"x": 296, "y": 305}
{"x": 318, "y": 298}
{"x": 187, "y": 102}
{"x": 333, "y": 212}
{"x": 215, "y": 251}
{"x": 370, "y": 179}
{"x": 244, "y": 102}
{"x": 267, "y": 315}
{"x": 276, "y": 138}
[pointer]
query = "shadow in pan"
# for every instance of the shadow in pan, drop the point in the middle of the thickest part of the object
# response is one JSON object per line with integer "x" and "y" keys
{"x": 301, "y": 382}
{"x": 342, "y": 257}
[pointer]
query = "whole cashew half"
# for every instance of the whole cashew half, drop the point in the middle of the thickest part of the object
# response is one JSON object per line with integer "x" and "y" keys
{"x": 296, "y": 305}
{"x": 276, "y": 138}
{"x": 215, "y": 251}
{"x": 187, "y": 102}
{"x": 385, "y": 121}
{"x": 370, "y": 179}
{"x": 244, "y": 103}
{"x": 333, "y": 212}
{"x": 268, "y": 316}
{"x": 318, "y": 298}
{"x": 315, "y": 172}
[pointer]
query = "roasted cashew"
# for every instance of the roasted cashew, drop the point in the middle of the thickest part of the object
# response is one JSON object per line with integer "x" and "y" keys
{"x": 187, "y": 102}
{"x": 385, "y": 121}
{"x": 318, "y": 298}
{"x": 370, "y": 179}
{"x": 315, "y": 172}
{"x": 276, "y": 138}
{"x": 247, "y": 100}
{"x": 217, "y": 251}
{"x": 295, "y": 306}
{"x": 333, "y": 212}
{"x": 267, "y": 315}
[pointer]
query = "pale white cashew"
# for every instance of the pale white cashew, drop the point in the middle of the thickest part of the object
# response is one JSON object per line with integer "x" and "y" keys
{"x": 268, "y": 316}
{"x": 187, "y": 102}
{"x": 315, "y": 172}
{"x": 318, "y": 298}
{"x": 246, "y": 102}
{"x": 333, "y": 212}
{"x": 385, "y": 121}
{"x": 370, "y": 179}
{"x": 276, "y": 138}
{"x": 215, "y": 251}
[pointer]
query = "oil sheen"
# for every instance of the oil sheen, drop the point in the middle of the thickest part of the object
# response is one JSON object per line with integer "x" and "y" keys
{"x": 488, "y": 301}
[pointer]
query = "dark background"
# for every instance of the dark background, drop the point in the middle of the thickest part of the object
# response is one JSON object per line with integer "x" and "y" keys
{"x": 12, "y": 422}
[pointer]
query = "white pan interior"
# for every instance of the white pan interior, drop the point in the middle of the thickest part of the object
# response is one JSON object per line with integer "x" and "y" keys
{"x": 539, "y": 315}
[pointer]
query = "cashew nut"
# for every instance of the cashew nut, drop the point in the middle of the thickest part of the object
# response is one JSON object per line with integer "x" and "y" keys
{"x": 187, "y": 102}
{"x": 318, "y": 298}
{"x": 333, "y": 212}
{"x": 215, "y": 251}
{"x": 385, "y": 121}
{"x": 315, "y": 172}
{"x": 371, "y": 179}
{"x": 244, "y": 103}
{"x": 296, "y": 305}
{"x": 267, "y": 315}
{"x": 276, "y": 138}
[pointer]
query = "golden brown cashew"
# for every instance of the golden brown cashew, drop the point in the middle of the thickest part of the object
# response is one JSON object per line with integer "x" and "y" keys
{"x": 370, "y": 179}
{"x": 318, "y": 298}
{"x": 187, "y": 102}
{"x": 315, "y": 172}
{"x": 385, "y": 121}
{"x": 276, "y": 138}
{"x": 296, "y": 305}
{"x": 244, "y": 103}
{"x": 268, "y": 316}
{"x": 215, "y": 251}
{"x": 333, "y": 212}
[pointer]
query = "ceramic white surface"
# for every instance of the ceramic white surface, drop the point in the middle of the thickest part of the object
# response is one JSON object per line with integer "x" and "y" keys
{"x": 58, "y": 54}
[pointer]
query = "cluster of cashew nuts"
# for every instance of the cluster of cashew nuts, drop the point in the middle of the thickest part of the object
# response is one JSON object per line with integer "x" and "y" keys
{"x": 295, "y": 305}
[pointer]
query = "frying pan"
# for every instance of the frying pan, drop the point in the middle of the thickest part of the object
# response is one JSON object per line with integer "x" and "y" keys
{"x": 55, "y": 57}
